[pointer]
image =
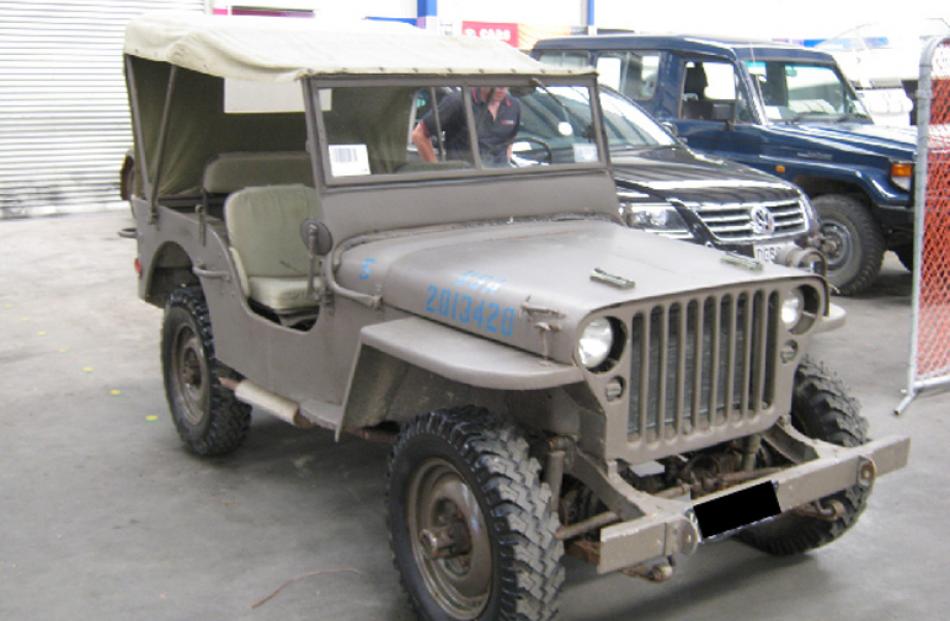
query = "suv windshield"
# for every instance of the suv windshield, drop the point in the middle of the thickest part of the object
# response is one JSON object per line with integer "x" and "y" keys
{"x": 392, "y": 130}
{"x": 795, "y": 92}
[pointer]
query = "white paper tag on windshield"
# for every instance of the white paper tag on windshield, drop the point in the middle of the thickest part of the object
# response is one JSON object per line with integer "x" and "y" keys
{"x": 584, "y": 152}
{"x": 349, "y": 159}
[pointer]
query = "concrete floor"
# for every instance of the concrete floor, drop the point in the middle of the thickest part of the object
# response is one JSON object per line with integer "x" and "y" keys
{"x": 103, "y": 514}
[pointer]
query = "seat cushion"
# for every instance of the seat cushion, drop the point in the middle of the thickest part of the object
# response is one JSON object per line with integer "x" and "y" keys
{"x": 280, "y": 293}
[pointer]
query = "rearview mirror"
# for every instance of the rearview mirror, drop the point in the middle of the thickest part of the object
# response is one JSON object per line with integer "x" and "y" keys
{"x": 723, "y": 111}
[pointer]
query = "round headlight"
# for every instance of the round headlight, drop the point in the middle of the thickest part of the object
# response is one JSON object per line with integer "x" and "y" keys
{"x": 595, "y": 343}
{"x": 792, "y": 309}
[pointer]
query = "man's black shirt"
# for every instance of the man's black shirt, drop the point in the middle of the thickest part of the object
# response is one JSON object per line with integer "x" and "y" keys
{"x": 494, "y": 134}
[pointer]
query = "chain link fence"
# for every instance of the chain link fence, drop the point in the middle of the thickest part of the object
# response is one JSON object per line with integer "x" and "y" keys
{"x": 930, "y": 344}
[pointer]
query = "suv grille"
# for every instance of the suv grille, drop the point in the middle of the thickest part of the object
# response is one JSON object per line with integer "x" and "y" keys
{"x": 733, "y": 222}
{"x": 702, "y": 363}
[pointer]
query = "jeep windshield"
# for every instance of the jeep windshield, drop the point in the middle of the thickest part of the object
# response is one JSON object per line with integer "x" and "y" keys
{"x": 391, "y": 130}
{"x": 795, "y": 92}
{"x": 627, "y": 126}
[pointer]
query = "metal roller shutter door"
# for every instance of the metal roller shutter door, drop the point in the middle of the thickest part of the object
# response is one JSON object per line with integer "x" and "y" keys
{"x": 64, "y": 119}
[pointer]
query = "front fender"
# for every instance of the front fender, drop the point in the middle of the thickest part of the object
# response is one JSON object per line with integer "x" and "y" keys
{"x": 451, "y": 357}
{"x": 466, "y": 358}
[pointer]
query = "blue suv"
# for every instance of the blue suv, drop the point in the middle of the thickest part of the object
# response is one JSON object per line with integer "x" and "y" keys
{"x": 783, "y": 109}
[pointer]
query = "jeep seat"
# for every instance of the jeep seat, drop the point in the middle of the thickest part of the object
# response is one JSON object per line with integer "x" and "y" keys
{"x": 233, "y": 171}
{"x": 264, "y": 233}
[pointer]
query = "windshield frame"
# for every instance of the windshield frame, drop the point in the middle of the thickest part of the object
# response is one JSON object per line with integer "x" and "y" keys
{"x": 802, "y": 62}
{"x": 317, "y": 133}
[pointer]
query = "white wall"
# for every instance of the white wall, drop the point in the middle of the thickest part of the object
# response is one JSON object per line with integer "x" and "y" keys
{"x": 536, "y": 12}
{"x": 763, "y": 19}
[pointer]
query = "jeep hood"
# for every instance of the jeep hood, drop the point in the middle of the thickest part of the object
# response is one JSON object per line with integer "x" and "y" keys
{"x": 529, "y": 284}
{"x": 677, "y": 173}
{"x": 895, "y": 143}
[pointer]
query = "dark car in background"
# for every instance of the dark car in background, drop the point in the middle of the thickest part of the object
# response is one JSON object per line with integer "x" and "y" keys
{"x": 666, "y": 188}
{"x": 782, "y": 109}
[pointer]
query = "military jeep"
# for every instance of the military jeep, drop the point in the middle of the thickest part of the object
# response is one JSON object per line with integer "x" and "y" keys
{"x": 550, "y": 380}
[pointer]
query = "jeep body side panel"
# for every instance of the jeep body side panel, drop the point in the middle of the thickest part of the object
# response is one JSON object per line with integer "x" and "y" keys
{"x": 311, "y": 365}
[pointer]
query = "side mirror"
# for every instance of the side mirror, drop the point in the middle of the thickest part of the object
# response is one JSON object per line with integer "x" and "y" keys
{"x": 316, "y": 237}
{"x": 670, "y": 126}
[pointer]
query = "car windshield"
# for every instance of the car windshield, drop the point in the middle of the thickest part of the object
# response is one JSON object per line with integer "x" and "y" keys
{"x": 626, "y": 125}
{"x": 795, "y": 92}
{"x": 388, "y": 130}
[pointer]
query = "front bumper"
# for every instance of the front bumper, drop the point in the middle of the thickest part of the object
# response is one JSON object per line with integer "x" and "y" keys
{"x": 675, "y": 526}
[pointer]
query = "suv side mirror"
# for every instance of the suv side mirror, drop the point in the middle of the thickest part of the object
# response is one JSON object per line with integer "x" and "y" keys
{"x": 670, "y": 126}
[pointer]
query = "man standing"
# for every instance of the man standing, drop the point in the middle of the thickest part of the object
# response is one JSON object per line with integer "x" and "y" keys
{"x": 497, "y": 116}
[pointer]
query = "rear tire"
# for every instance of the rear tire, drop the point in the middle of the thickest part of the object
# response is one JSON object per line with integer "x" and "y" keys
{"x": 854, "y": 242}
{"x": 209, "y": 419}
{"x": 467, "y": 473}
{"x": 821, "y": 409}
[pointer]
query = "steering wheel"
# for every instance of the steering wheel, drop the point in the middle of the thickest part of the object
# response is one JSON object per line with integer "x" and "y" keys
{"x": 527, "y": 149}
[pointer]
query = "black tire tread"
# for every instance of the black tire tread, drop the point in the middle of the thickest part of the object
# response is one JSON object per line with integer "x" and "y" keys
{"x": 822, "y": 409}
{"x": 230, "y": 419}
{"x": 532, "y": 573}
{"x": 870, "y": 238}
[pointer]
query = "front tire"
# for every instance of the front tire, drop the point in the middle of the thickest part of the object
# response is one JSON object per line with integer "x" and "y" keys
{"x": 471, "y": 532}
{"x": 209, "y": 419}
{"x": 854, "y": 243}
{"x": 821, "y": 409}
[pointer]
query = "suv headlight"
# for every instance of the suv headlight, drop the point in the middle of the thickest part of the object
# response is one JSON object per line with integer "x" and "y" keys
{"x": 902, "y": 174}
{"x": 657, "y": 217}
{"x": 595, "y": 343}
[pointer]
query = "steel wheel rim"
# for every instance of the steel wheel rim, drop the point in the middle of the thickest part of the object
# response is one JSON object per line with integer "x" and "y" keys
{"x": 189, "y": 370}
{"x": 840, "y": 237}
{"x": 439, "y": 497}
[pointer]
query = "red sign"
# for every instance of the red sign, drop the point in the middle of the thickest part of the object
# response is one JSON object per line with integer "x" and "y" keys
{"x": 492, "y": 30}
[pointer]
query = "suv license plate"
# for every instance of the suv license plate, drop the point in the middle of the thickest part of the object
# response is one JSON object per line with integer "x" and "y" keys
{"x": 767, "y": 253}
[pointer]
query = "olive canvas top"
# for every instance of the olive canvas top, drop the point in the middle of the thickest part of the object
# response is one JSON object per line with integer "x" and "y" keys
{"x": 283, "y": 50}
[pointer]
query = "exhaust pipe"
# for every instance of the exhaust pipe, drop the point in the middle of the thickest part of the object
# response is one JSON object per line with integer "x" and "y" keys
{"x": 272, "y": 403}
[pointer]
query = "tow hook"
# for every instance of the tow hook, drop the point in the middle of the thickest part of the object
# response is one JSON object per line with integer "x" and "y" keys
{"x": 834, "y": 510}
{"x": 654, "y": 572}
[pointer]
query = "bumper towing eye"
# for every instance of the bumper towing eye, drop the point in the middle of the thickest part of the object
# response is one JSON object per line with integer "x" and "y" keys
{"x": 867, "y": 472}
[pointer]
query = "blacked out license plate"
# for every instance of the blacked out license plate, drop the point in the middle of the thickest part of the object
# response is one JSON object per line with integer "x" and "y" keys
{"x": 734, "y": 511}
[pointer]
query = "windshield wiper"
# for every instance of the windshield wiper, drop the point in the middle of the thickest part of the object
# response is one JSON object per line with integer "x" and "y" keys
{"x": 852, "y": 116}
{"x": 625, "y": 148}
{"x": 829, "y": 117}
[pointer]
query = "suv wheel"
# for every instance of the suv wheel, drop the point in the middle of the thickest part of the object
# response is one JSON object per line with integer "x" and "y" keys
{"x": 208, "y": 418}
{"x": 853, "y": 242}
{"x": 470, "y": 529}
{"x": 821, "y": 409}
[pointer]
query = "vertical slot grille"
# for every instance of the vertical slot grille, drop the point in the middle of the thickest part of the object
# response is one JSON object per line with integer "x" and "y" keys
{"x": 701, "y": 363}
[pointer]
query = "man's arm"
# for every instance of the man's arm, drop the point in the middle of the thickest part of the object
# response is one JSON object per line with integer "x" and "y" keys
{"x": 420, "y": 138}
